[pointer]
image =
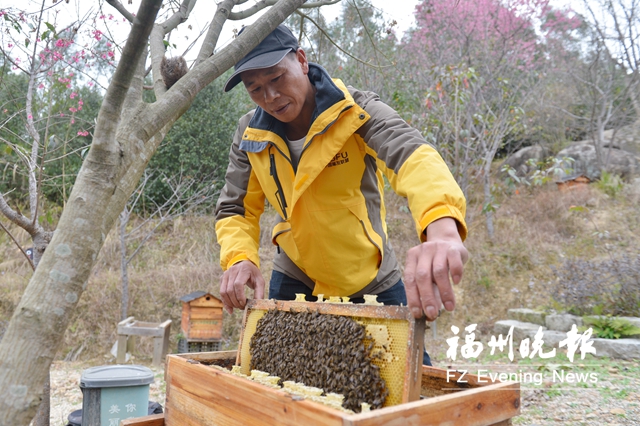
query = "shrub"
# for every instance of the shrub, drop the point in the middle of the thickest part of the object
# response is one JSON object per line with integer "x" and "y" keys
{"x": 608, "y": 327}
{"x": 611, "y": 286}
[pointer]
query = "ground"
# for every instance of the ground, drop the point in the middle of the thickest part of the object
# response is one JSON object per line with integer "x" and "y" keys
{"x": 613, "y": 400}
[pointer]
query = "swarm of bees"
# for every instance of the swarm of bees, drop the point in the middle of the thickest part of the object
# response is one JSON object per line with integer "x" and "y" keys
{"x": 330, "y": 352}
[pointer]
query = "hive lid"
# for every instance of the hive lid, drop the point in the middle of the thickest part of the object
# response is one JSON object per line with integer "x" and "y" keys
{"x": 110, "y": 376}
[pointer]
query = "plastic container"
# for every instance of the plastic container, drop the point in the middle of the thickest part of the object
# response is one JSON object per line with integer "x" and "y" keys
{"x": 114, "y": 392}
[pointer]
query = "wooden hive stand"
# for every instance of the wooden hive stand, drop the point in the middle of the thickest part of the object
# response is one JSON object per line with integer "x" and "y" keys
{"x": 201, "y": 323}
{"x": 129, "y": 328}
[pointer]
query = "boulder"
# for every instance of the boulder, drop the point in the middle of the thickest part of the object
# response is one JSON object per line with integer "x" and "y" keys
{"x": 562, "y": 322}
{"x": 518, "y": 160}
{"x": 521, "y": 330}
{"x": 584, "y": 153}
{"x": 527, "y": 315}
{"x": 620, "y": 348}
{"x": 552, "y": 338}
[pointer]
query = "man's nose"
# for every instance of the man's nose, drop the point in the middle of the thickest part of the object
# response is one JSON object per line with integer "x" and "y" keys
{"x": 270, "y": 94}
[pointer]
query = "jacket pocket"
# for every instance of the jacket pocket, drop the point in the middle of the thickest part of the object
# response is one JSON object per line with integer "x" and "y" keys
{"x": 282, "y": 237}
{"x": 360, "y": 212}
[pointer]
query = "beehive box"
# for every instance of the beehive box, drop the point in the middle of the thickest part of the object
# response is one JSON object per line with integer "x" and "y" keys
{"x": 201, "y": 317}
{"x": 199, "y": 395}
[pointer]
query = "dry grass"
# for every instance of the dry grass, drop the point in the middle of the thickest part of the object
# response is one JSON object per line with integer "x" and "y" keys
{"x": 534, "y": 230}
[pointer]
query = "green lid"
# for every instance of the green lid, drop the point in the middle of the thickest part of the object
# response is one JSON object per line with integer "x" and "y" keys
{"x": 111, "y": 376}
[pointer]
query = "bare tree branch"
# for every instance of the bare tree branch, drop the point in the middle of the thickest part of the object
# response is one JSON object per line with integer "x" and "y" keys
{"x": 244, "y": 14}
{"x": 211, "y": 39}
{"x": 18, "y": 245}
{"x": 15, "y": 217}
{"x": 120, "y": 8}
{"x": 319, "y": 27}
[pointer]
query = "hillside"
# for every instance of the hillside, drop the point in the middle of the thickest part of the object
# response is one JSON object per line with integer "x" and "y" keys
{"x": 537, "y": 229}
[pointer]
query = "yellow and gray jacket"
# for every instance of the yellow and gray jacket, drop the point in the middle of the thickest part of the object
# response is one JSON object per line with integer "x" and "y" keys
{"x": 332, "y": 233}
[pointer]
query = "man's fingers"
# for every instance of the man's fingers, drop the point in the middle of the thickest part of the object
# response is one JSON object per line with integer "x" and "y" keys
{"x": 258, "y": 291}
{"x": 236, "y": 289}
{"x": 457, "y": 256}
{"x": 226, "y": 301}
{"x": 424, "y": 280}
{"x": 410, "y": 286}
{"x": 440, "y": 267}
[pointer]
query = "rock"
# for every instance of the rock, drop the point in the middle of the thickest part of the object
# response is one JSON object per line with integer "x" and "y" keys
{"x": 617, "y": 411}
{"x": 552, "y": 338}
{"x": 521, "y": 330}
{"x": 518, "y": 160}
{"x": 584, "y": 153}
{"x": 617, "y": 348}
{"x": 527, "y": 315}
{"x": 562, "y": 322}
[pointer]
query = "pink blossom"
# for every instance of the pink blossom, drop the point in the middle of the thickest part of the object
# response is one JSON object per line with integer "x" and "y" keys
{"x": 9, "y": 45}
{"x": 30, "y": 117}
{"x": 73, "y": 95}
{"x": 83, "y": 133}
{"x": 97, "y": 34}
{"x": 40, "y": 86}
{"x": 73, "y": 109}
{"x": 90, "y": 83}
{"x": 73, "y": 121}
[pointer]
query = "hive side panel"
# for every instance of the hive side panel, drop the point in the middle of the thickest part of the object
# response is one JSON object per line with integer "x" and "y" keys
{"x": 184, "y": 323}
{"x": 474, "y": 407}
{"x": 203, "y": 396}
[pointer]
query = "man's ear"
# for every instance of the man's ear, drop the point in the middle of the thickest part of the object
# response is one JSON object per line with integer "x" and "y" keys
{"x": 302, "y": 59}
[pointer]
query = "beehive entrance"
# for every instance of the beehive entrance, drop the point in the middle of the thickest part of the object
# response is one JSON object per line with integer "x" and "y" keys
{"x": 394, "y": 336}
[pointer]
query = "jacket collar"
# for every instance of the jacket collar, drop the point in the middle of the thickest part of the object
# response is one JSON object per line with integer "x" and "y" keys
{"x": 327, "y": 94}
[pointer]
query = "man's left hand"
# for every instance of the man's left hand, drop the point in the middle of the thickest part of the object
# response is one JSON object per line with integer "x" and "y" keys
{"x": 429, "y": 266}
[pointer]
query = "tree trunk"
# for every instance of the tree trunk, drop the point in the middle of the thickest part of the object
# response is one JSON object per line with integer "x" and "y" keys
{"x": 114, "y": 164}
{"x": 43, "y": 415}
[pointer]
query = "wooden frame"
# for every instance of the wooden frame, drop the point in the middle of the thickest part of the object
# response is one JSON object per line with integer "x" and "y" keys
{"x": 130, "y": 327}
{"x": 199, "y": 395}
{"x": 415, "y": 340}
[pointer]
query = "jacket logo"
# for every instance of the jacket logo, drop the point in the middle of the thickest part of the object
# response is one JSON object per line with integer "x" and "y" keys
{"x": 339, "y": 159}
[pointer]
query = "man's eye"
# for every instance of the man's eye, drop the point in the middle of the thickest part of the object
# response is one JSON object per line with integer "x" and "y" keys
{"x": 255, "y": 91}
{"x": 276, "y": 79}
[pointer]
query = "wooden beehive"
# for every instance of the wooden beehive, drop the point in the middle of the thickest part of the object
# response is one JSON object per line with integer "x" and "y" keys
{"x": 201, "y": 316}
{"x": 200, "y": 395}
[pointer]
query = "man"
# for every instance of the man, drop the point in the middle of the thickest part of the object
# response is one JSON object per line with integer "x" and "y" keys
{"x": 318, "y": 151}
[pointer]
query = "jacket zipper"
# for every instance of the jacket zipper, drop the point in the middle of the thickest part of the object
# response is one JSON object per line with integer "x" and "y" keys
{"x": 364, "y": 228}
{"x": 282, "y": 201}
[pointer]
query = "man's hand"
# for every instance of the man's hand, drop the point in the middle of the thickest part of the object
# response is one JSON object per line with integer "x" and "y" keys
{"x": 233, "y": 281}
{"x": 428, "y": 267}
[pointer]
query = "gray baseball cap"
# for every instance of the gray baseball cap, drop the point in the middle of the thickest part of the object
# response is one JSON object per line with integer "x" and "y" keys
{"x": 268, "y": 53}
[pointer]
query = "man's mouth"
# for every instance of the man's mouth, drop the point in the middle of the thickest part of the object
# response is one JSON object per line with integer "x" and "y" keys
{"x": 281, "y": 110}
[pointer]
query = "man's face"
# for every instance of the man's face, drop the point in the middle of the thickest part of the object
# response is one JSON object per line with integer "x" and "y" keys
{"x": 281, "y": 90}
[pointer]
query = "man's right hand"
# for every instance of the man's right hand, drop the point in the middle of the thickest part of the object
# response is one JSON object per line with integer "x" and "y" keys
{"x": 233, "y": 281}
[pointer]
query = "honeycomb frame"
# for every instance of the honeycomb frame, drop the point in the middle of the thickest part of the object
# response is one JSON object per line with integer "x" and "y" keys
{"x": 401, "y": 370}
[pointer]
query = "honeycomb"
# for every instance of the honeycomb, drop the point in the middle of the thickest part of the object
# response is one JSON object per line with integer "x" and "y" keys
{"x": 389, "y": 351}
